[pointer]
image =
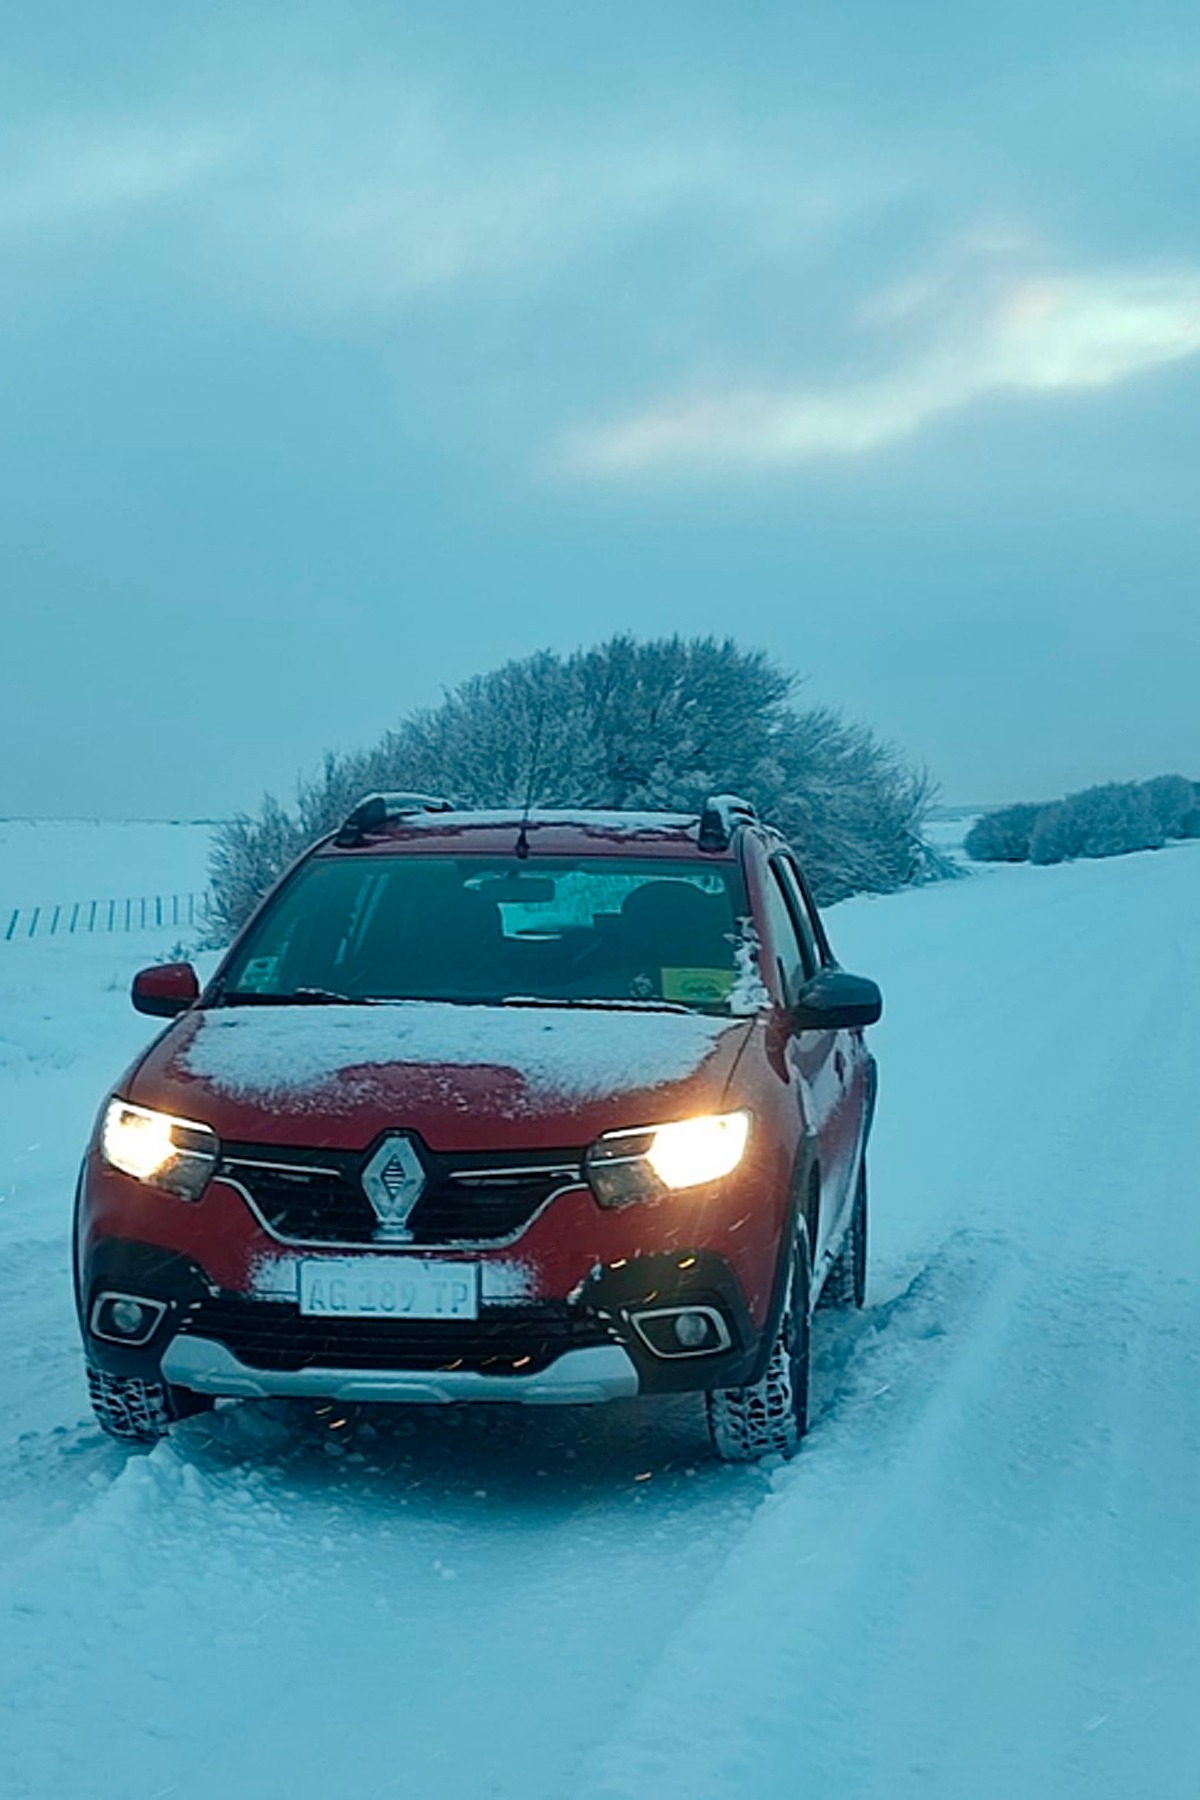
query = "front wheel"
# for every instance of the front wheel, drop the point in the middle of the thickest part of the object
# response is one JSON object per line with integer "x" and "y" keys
{"x": 770, "y": 1416}
{"x": 137, "y": 1411}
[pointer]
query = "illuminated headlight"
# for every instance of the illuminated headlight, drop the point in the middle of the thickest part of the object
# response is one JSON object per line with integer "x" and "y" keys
{"x": 624, "y": 1166}
{"x": 170, "y": 1153}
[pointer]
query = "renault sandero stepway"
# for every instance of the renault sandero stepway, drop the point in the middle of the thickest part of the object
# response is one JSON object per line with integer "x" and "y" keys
{"x": 556, "y": 1108}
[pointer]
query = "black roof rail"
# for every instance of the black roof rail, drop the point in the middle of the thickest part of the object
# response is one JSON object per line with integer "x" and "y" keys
{"x": 374, "y": 811}
{"x": 722, "y": 815}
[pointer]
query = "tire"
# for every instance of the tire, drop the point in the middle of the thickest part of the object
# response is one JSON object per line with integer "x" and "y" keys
{"x": 846, "y": 1283}
{"x": 139, "y": 1412}
{"x": 771, "y": 1415}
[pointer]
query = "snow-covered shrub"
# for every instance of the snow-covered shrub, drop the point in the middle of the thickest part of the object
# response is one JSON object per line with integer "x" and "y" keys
{"x": 1053, "y": 839}
{"x": 247, "y": 856}
{"x": 1102, "y": 821}
{"x": 851, "y": 805}
{"x": 632, "y": 726}
{"x": 1173, "y": 801}
{"x": 1003, "y": 835}
{"x": 1113, "y": 820}
{"x": 1110, "y": 820}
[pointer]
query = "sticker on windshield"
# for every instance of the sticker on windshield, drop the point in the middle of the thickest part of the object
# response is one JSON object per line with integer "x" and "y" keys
{"x": 697, "y": 987}
{"x": 258, "y": 976}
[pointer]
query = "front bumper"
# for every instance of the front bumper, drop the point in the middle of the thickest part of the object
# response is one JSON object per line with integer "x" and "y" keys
{"x": 581, "y": 1350}
{"x": 576, "y": 1378}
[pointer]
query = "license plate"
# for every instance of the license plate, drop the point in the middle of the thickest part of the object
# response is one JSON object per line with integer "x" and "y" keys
{"x": 384, "y": 1287}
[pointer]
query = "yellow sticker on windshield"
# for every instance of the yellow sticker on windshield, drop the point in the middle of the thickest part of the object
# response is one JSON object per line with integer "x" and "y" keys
{"x": 697, "y": 987}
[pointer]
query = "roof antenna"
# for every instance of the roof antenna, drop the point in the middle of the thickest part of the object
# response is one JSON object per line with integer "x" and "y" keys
{"x": 522, "y": 843}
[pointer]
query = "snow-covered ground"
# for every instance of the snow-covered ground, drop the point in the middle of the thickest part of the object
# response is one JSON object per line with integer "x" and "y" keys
{"x": 947, "y": 827}
{"x": 979, "y": 1581}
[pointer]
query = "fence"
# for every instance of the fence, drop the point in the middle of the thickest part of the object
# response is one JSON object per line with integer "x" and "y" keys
{"x": 76, "y": 918}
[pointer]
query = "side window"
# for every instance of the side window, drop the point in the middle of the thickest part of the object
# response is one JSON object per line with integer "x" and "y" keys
{"x": 808, "y": 926}
{"x": 785, "y": 945}
{"x": 825, "y": 956}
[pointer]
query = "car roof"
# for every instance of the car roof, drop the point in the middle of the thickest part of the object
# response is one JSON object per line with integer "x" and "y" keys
{"x": 548, "y": 833}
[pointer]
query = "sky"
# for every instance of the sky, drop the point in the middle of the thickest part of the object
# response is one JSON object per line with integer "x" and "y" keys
{"x": 347, "y": 350}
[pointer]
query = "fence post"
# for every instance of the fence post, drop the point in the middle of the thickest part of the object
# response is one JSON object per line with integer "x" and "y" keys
{"x": 33, "y": 919}
{"x": 12, "y": 925}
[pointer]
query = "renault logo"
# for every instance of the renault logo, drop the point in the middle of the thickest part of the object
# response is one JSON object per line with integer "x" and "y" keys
{"x": 394, "y": 1181}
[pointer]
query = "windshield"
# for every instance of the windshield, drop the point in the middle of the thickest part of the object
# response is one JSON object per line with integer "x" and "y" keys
{"x": 484, "y": 930}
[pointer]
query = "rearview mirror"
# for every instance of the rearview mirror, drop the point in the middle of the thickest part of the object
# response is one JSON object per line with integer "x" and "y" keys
{"x": 836, "y": 1001}
{"x": 516, "y": 889}
{"x": 166, "y": 989}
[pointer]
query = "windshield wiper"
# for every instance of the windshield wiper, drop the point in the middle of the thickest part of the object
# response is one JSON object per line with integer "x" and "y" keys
{"x": 303, "y": 996}
{"x": 598, "y": 1005}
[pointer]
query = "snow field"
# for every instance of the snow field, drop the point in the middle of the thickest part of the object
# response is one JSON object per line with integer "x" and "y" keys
{"x": 47, "y": 861}
{"x": 981, "y": 1577}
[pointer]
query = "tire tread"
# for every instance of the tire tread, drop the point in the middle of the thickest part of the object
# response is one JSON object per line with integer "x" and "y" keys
{"x": 130, "y": 1409}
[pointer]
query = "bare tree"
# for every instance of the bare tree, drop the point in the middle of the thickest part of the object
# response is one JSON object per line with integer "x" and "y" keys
{"x": 630, "y": 726}
{"x": 248, "y": 855}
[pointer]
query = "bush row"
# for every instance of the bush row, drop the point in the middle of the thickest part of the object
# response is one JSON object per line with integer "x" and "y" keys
{"x": 1100, "y": 821}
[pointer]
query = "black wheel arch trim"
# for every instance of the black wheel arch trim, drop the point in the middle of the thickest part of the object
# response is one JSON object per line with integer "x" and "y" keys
{"x": 797, "y": 1227}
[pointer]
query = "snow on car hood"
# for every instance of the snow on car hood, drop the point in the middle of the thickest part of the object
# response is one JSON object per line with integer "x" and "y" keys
{"x": 557, "y": 1055}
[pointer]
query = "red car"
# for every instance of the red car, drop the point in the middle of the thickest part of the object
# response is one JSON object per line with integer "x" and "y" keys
{"x": 561, "y": 1108}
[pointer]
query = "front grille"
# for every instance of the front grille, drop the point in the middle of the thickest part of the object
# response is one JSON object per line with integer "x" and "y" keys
{"x": 317, "y": 1197}
{"x": 461, "y": 1204}
{"x": 511, "y": 1340}
{"x": 312, "y": 1204}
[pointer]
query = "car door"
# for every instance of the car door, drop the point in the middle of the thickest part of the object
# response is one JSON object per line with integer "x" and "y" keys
{"x": 812, "y": 1056}
{"x": 848, "y": 1071}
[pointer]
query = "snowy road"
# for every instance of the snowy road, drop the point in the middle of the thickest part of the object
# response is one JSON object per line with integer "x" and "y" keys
{"x": 981, "y": 1578}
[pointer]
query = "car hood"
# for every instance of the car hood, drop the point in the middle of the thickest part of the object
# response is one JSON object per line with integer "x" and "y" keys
{"x": 463, "y": 1077}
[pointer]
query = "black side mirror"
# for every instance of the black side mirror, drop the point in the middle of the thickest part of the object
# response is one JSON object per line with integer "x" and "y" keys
{"x": 835, "y": 1001}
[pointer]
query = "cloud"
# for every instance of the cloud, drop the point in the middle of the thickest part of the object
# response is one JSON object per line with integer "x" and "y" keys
{"x": 1041, "y": 334}
{"x": 410, "y": 200}
{"x": 671, "y": 246}
{"x": 435, "y": 219}
{"x": 385, "y": 194}
{"x": 65, "y": 175}
{"x": 72, "y": 173}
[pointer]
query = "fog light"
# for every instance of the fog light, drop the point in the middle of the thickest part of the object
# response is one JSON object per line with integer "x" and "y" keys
{"x": 694, "y": 1330}
{"x": 682, "y": 1330}
{"x": 128, "y": 1316}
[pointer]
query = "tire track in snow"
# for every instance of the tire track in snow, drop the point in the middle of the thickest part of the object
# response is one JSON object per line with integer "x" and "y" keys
{"x": 736, "y": 1675}
{"x": 481, "y": 1590}
{"x": 1006, "y": 1599}
{"x": 47, "y": 1471}
{"x": 98, "y": 1617}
